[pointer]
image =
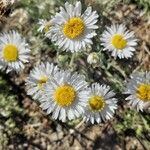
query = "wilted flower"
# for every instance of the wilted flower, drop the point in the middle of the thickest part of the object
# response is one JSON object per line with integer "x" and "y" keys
{"x": 44, "y": 25}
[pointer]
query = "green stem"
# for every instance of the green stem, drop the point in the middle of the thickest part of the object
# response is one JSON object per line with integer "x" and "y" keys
{"x": 72, "y": 60}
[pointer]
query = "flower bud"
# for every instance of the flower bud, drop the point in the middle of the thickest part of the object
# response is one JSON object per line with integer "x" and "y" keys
{"x": 62, "y": 58}
{"x": 93, "y": 58}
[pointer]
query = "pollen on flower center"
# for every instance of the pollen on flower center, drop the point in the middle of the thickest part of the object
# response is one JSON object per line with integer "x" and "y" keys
{"x": 42, "y": 80}
{"x": 74, "y": 27}
{"x": 118, "y": 41}
{"x": 10, "y": 52}
{"x": 65, "y": 95}
{"x": 143, "y": 92}
{"x": 96, "y": 103}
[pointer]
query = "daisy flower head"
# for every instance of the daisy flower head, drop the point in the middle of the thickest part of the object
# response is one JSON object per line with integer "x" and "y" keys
{"x": 64, "y": 96}
{"x": 138, "y": 88}
{"x": 119, "y": 41}
{"x": 44, "y": 25}
{"x": 14, "y": 51}
{"x": 100, "y": 104}
{"x": 38, "y": 77}
{"x": 72, "y": 30}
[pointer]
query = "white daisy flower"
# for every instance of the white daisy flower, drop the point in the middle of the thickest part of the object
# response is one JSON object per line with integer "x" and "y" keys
{"x": 100, "y": 104}
{"x": 72, "y": 30}
{"x": 44, "y": 25}
{"x": 118, "y": 40}
{"x": 63, "y": 96}
{"x": 138, "y": 88}
{"x": 14, "y": 51}
{"x": 38, "y": 77}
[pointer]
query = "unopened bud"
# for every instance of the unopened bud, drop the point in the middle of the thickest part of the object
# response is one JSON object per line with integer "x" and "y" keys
{"x": 62, "y": 58}
{"x": 93, "y": 58}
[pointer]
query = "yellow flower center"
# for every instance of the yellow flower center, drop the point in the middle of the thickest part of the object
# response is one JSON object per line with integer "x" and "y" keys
{"x": 96, "y": 103}
{"x": 10, "y": 52}
{"x": 143, "y": 92}
{"x": 47, "y": 26}
{"x": 65, "y": 95}
{"x": 74, "y": 27}
{"x": 42, "y": 80}
{"x": 118, "y": 41}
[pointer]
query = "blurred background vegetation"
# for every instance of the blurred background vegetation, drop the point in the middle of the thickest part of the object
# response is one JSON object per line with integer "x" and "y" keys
{"x": 22, "y": 123}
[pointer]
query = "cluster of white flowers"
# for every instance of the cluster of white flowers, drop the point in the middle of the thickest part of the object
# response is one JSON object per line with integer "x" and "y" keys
{"x": 72, "y": 30}
{"x": 67, "y": 95}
